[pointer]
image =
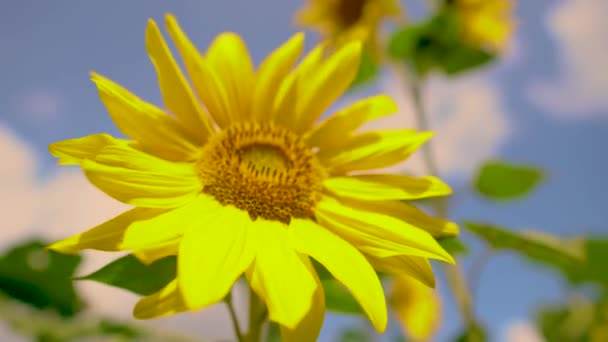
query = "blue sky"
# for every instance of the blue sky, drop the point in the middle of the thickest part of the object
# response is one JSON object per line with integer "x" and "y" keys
{"x": 546, "y": 104}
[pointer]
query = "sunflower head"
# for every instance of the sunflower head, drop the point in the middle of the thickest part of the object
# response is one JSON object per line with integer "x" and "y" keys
{"x": 237, "y": 176}
{"x": 486, "y": 23}
{"x": 340, "y": 21}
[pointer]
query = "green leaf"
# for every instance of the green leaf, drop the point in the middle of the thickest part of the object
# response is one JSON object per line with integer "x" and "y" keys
{"x": 368, "y": 71}
{"x": 41, "y": 278}
{"x": 578, "y": 259}
{"x": 453, "y": 245}
{"x": 499, "y": 180}
{"x": 131, "y": 274}
{"x": 463, "y": 58}
{"x": 355, "y": 335}
{"x": 404, "y": 42}
{"x": 339, "y": 299}
{"x": 474, "y": 333}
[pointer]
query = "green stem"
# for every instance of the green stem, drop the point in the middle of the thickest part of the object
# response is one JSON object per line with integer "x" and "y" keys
{"x": 454, "y": 273}
{"x": 234, "y": 319}
{"x": 257, "y": 317}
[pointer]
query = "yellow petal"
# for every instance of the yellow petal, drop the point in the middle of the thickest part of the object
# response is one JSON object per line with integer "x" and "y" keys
{"x": 279, "y": 277}
{"x": 107, "y": 236}
{"x": 157, "y": 252}
{"x": 176, "y": 92}
{"x": 310, "y": 327}
{"x": 271, "y": 74}
{"x": 139, "y": 179}
{"x": 386, "y": 187}
{"x": 206, "y": 81}
{"x": 403, "y": 265}
{"x": 213, "y": 254}
{"x": 345, "y": 263}
{"x": 417, "y": 306}
{"x": 154, "y": 130}
{"x": 288, "y": 95}
{"x": 436, "y": 226}
{"x": 229, "y": 58}
{"x": 373, "y": 150}
{"x": 167, "y": 301}
{"x": 165, "y": 227}
{"x": 74, "y": 151}
{"x": 330, "y": 81}
{"x": 338, "y": 127}
{"x": 376, "y": 234}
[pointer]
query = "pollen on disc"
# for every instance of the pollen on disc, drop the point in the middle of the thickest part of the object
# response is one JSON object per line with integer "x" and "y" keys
{"x": 263, "y": 169}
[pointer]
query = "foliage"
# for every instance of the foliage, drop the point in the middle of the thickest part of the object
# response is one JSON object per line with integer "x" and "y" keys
{"x": 499, "y": 180}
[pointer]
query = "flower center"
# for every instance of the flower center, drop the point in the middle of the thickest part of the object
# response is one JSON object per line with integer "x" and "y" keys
{"x": 263, "y": 169}
{"x": 349, "y": 12}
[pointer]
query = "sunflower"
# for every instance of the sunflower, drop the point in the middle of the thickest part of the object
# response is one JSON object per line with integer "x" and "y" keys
{"x": 341, "y": 21}
{"x": 417, "y": 307}
{"x": 236, "y": 177}
{"x": 486, "y": 23}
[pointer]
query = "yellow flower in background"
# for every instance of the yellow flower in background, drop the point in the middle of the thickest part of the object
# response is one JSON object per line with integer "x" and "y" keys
{"x": 237, "y": 177}
{"x": 341, "y": 21}
{"x": 417, "y": 306}
{"x": 487, "y": 23}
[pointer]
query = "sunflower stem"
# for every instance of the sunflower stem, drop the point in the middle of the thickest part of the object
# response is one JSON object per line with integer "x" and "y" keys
{"x": 257, "y": 317}
{"x": 454, "y": 273}
{"x": 234, "y": 319}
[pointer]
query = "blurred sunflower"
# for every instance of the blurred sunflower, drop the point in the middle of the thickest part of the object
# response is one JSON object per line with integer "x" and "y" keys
{"x": 417, "y": 307}
{"x": 341, "y": 21}
{"x": 236, "y": 177}
{"x": 486, "y": 23}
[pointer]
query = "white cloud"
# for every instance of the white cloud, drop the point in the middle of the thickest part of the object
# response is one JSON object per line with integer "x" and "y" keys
{"x": 580, "y": 88}
{"x": 66, "y": 204}
{"x": 467, "y": 115}
{"x": 41, "y": 104}
{"x": 522, "y": 331}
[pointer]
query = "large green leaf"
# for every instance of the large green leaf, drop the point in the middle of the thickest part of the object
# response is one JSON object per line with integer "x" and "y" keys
{"x": 453, "y": 245}
{"x": 131, "y": 274}
{"x": 367, "y": 73}
{"x": 579, "y": 259}
{"x": 40, "y": 278}
{"x": 499, "y": 180}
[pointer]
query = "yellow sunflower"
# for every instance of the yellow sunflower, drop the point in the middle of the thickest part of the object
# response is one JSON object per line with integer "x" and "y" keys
{"x": 417, "y": 306}
{"x": 341, "y": 21}
{"x": 487, "y": 23}
{"x": 237, "y": 177}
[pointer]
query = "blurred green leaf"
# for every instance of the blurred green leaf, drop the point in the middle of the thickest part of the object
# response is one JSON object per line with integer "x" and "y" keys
{"x": 368, "y": 71}
{"x": 131, "y": 274}
{"x": 339, "y": 299}
{"x": 579, "y": 259}
{"x": 41, "y": 278}
{"x": 474, "y": 333}
{"x": 453, "y": 245}
{"x": 404, "y": 42}
{"x": 462, "y": 58}
{"x": 110, "y": 327}
{"x": 273, "y": 333}
{"x": 499, "y": 180}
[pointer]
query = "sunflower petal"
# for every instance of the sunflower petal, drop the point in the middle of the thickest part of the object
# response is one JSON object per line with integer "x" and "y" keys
{"x": 386, "y": 187}
{"x": 214, "y": 254}
{"x": 417, "y": 307}
{"x": 107, "y": 236}
{"x": 165, "y": 227}
{"x": 329, "y": 82}
{"x": 373, "y": 150}
{"x": 404, "y": 265}
{"x": 74, "y": 151}
{"x": 345, "y": 263}
{"x": 376, "y": 234}
{"x": 139, "y": 179}
{"x": 310, "y": 327}
{"x": 229, "y": 58}
{"x": 167, "y": 301}
{"x": 176, "y": 92}
{"x": 435, "y": 226}
{"x": 156, "y": 132}
{"x": 338, "y": 127}
{"x": 157, "y": 252}
{"x": 271, "y": 74}
{"x": 279, "y": 277}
